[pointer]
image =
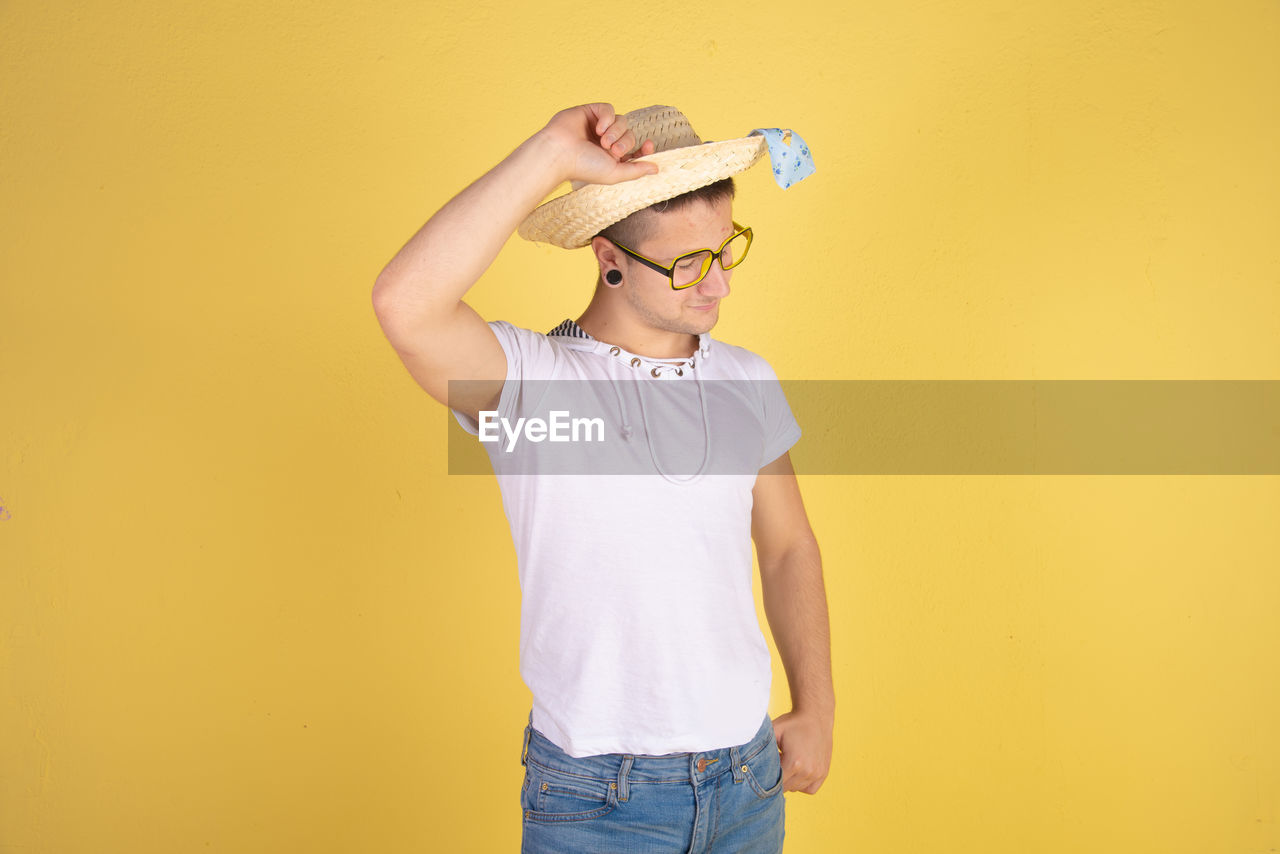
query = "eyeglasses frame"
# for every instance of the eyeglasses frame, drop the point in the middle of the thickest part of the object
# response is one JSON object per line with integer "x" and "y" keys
{"x": 670, "y": 272}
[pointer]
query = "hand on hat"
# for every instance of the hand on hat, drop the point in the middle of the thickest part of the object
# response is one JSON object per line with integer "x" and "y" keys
{"x": 595, "y": 145}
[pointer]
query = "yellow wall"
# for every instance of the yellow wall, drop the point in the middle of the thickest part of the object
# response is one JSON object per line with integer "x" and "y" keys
{"x": 244, "y": 609}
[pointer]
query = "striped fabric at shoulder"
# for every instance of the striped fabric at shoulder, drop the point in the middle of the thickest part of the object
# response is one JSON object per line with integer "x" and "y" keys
{"x": 569, "y": 329}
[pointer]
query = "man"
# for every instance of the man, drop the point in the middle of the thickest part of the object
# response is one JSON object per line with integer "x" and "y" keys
{"x": 638, "y": 634}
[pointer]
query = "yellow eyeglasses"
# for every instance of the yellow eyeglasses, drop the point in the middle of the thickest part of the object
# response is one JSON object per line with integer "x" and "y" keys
{"x": 692, "y": 267}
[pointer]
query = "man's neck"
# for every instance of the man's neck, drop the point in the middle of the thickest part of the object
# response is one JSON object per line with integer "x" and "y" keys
{"x": 634, "y": 337}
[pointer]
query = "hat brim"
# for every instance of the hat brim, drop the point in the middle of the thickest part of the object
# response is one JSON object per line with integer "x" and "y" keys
{"x": 571, "y": 220}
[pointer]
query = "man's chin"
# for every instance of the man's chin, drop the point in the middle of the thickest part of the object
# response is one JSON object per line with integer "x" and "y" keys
{"x": 704, "y": 321}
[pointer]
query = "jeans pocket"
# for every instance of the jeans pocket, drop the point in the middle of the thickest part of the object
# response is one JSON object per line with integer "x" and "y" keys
{"x": 764, "y": 770}
{"x": 552, "y": 796}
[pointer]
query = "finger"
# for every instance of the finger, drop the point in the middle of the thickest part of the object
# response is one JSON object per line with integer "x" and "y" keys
{"x": 814, "y": 783}
{"x": 807, "y": 783}
{"x": 604, "y": 116}
{"x": 803, "y": 776}
{"x": 627, "y": 171}
{"x": 793, "y": 776}
{"x": 624, "y": 144}
{"x": 616, "y": 135}
{"x": 643, "y": 150}
{"x": 788, "y": 781}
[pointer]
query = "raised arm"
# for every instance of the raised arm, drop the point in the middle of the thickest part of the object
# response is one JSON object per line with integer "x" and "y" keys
{"x": 418, "y": 296}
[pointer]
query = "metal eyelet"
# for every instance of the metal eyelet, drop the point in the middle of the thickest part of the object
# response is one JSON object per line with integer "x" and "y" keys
{"x": 679, "y": 372}
{"x": 613, "y": 351}
{"x": 653, "y": 372}
{"x": 635, "y": 362}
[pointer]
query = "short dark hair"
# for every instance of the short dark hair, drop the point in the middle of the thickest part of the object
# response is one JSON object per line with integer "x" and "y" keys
{"x": 637, "y": 227}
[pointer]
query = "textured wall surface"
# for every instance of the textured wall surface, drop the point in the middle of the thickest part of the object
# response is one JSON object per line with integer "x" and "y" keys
{"x": 243, "y": 608}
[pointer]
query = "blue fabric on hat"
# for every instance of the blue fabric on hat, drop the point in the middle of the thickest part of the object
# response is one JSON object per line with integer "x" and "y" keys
{"x": 791, "y": 160}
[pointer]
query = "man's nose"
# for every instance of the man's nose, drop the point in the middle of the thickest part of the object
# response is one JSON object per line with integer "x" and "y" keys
{"x": 715, "y": 283}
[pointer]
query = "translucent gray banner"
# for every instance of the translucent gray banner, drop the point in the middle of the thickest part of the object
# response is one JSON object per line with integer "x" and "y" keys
{"x": 933, "y": 427}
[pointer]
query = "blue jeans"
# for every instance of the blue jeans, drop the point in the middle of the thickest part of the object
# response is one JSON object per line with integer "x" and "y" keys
{"x": 728, "y": 800}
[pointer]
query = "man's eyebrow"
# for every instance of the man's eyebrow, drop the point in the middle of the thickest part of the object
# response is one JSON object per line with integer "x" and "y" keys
{"x": 669, "y": 259}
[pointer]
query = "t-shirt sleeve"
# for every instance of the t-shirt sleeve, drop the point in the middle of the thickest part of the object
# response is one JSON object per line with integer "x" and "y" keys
{"x": 781, "y": 430}
{"x": 529, "y": 356}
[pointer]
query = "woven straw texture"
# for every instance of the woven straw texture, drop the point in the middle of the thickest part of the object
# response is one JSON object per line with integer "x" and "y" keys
{"x": 684, "y": 163}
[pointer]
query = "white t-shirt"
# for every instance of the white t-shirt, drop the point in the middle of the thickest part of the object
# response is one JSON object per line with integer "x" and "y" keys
{"x": 638, "y": 627}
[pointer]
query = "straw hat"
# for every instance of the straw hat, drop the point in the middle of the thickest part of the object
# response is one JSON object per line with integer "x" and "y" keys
{"x": 684, "y": 163}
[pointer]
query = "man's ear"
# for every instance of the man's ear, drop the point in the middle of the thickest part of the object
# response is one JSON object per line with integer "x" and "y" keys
{"x": 607, "y": 255}
{"x": 609, "y": 259}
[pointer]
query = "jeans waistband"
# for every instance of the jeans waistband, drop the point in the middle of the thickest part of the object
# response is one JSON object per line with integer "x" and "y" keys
{"x": 667, "y": 768}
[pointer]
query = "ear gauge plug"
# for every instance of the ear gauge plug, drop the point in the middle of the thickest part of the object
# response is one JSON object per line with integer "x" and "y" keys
{"x": 613, "y": 277}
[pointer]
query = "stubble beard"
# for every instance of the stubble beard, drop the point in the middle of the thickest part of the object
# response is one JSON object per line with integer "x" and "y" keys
{"x": 677, "y": 324}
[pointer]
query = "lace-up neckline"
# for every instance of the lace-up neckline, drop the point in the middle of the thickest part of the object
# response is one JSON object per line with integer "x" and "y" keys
{"x": 656, "y": 368}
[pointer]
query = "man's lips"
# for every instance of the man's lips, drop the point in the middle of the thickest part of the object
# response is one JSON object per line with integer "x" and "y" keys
{"x": 706, "y": 307}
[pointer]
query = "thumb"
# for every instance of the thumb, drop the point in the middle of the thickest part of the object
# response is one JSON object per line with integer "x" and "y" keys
{"x": 635, "y": 169}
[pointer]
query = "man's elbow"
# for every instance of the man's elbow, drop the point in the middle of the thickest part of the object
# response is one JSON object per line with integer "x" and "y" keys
{"x": 799, "y": 554}
{"x": 409, "y": 327}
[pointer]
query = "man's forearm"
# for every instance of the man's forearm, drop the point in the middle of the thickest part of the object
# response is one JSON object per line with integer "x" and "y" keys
{"x": 452, "y": 250}
{"x": 795, "y": 603}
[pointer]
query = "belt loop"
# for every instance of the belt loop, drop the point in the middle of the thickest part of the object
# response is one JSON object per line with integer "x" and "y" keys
{"x": 524, "y": 748}
{"x": 624, "y": 787}
{"x": 735, "y": 762}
